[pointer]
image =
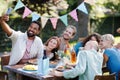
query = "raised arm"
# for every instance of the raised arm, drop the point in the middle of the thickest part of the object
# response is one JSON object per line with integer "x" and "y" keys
{"x": 6, "y": 28}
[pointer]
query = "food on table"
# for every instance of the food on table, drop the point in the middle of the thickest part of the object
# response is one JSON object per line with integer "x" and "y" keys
{"x": 30, "y": 67}
{"x": 65, "y": 67}
{"x": 60, "y": 68}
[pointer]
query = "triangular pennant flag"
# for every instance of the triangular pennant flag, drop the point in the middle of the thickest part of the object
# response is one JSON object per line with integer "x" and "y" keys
{"x": 19, "y": 5}
{"x": 82, "y": 7}
{"x": 92, "y": 2}
{"x": 64, "y": 19}
{"x": 73, "y": 14}
{"x": 26, "y": 12}
{"x": 35, "y": 16}
{"x": 54, "y": 22}
{"x": 43, "y": 21}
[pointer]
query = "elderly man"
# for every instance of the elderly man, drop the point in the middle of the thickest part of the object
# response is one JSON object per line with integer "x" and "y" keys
{"x": 89, "y": 63}
{"x": 26, "y": 45}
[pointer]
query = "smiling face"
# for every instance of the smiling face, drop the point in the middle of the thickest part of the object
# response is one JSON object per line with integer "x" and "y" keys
{"x": 106, "y": 41}
{"x": 68, "y": 33}
{"x": 33, "y": 30}
{"x": 104, "y": 44}
{"x": 52, "y": 44}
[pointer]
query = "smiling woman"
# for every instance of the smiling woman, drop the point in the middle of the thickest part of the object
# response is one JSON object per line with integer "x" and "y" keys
{"x": 51, "y": 47}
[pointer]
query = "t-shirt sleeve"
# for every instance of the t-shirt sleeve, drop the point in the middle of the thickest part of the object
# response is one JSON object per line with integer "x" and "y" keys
{"x": 77, "y": 46}
{"x": 107, "y": 52}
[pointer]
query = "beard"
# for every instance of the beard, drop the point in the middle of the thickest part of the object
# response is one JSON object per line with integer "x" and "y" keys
{"x": 66, "y": 38}
{"x": 29, "y": 34}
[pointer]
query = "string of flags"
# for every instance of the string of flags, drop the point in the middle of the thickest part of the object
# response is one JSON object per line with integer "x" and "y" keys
{"x": 36, "y": 16}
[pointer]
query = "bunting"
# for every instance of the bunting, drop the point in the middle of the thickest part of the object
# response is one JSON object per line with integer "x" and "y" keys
{"x": 73, "y": 14}
{"x": 64, "y": 19}
{"x": 82, "y": 7}
{"x": 44, "y": 20}
{"x": 26, "y": 12}
{"x": 54, "y": 22}
{"x": 35, "y": 16}
{"x": 19, "y": 5}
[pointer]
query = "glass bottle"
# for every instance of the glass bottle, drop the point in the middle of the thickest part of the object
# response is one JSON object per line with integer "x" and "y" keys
{"x": 73, "y": 58}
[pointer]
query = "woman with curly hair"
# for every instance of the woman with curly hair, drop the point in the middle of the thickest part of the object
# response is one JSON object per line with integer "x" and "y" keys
{"x": 94, "y": 37}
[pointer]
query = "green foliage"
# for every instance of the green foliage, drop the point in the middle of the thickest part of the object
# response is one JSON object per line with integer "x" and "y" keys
{"x": 16, "y": 24}
{"x": 104, "y": 8}
{"x": 47, "y": 32}
{"x": 106, "y": 25}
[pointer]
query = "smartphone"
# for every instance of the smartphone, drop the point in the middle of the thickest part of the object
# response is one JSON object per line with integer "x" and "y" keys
{"x": 9, "y": 11}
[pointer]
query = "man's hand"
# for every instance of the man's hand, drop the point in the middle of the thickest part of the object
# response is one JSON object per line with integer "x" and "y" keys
{"x": 118, "y": 30}
{"x": 118, "y": 46}
{"x": 55, "y": 73}
{"x": 4, "y": 18}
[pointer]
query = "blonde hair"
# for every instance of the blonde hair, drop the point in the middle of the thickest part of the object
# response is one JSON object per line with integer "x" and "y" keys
{"x": 72, "y": 27}
{"x": 108, "y": 37}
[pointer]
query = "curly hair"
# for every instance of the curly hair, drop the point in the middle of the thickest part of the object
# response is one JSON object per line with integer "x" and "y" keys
{"x": 96, "y": 35}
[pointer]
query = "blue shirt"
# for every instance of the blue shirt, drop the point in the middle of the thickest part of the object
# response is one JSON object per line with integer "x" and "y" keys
{"x": 113, "y": 62}
{"x": 77, "y": 46}
{"x": 88, "y": 65}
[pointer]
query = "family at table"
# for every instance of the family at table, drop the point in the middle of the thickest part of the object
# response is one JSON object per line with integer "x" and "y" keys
{"x": 91, "y": 54}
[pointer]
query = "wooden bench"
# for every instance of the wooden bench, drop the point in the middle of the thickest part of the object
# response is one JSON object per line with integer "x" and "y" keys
{"x": 3, "y": 75}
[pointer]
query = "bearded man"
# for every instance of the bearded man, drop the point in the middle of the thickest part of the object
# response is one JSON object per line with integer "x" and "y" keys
{"x": 25, "y": 46}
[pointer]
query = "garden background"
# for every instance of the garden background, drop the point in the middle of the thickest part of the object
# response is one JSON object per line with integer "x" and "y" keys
{"x": 103, "y": 17}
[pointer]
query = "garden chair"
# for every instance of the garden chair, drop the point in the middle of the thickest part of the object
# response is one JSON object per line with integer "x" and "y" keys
{"x": 3, "y": 75}
{"x": 105, "y": 77}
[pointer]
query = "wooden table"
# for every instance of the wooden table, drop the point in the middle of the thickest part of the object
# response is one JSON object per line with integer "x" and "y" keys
{"x": 32, "y": 74}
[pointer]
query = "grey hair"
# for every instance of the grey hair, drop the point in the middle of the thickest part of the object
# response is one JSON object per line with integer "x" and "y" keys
{"x": 108, "y": 37}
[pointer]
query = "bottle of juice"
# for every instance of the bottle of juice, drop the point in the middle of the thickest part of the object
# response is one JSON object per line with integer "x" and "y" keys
{"x": 73, "y": 57}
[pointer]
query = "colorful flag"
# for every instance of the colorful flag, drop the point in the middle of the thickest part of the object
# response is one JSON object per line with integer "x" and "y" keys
{"x": 19, "y": 5}
{"x": 54, "y": 22}
{"x": 35, "y": 16}
{"x": 64, "y": 19}
{"x": 43, "y": 21}
{"x": 82, "y": 7}
{"x": 26, "y": 12}
{"x": 73, "y": 14}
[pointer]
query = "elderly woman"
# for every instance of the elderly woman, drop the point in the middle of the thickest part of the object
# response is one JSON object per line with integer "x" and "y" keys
{"x": 111, "y": 53}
